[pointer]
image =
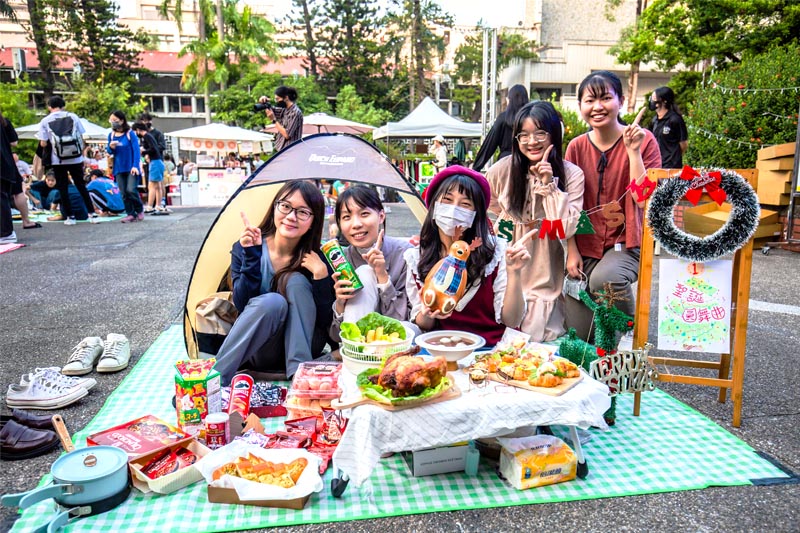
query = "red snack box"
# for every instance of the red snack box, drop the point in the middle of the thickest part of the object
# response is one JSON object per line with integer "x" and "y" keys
{"x": 139, "y": 437}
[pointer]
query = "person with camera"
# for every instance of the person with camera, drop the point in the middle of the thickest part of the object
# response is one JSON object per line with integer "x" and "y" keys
{"x": 285, "y": 113}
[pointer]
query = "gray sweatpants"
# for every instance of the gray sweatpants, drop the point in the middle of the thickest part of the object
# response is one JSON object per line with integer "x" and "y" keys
{"x": 621, "y": 269}
{"x": 273, "y": 333}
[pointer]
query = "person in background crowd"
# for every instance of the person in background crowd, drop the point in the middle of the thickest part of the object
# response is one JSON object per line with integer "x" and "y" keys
{"x": 52, "y": 197}
{"x": 105, "y": 195}
{"x": 23, "y": 167}
{"x": 152, "y": 155}
{"x": 378, "y": 260}
{"x": 169, "y": 164}
{"x": 287, "y": 116}
{"x": 439, "y": 151}
{"x": 500, "y": 136}
{"x": 612, "y": 156}
{"x": 20, "y": 186}
{"x": 161, "y": 141}
{"x": 8, "y": 177}
{"x": 282, "y": 287}
{"x": 668, "y": 128}
{"x": 532, "y": 185}
{"x": 66, "y": 169}
{"x": 43, "y": 194}
{"x": 125, "y": 148}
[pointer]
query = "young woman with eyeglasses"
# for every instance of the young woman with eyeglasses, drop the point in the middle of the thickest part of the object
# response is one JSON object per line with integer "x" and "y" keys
{"x": 611, "y": 155}
{"x": 535, "y": 184}
{"x": 377, "y": 258}
{"x": 282, "y": 287}
{"x": 458, "y": 197}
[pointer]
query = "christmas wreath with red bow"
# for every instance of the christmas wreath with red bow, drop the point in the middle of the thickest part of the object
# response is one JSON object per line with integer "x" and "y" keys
{"x": 721, "y": 185}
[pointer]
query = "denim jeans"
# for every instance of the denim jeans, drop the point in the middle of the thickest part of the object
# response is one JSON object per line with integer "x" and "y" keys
{"x": 128, "y": 186}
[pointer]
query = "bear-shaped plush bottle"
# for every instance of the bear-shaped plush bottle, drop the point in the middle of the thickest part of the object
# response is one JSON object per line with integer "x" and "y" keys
{"x": 446, "y": 283}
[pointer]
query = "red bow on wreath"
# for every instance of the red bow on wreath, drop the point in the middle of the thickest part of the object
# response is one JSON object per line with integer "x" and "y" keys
{"x": 710, "y": 181}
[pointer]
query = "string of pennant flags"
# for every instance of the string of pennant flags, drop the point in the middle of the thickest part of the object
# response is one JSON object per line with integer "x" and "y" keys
{"x": 717, "y": 136}
{"x": 744, "y": 90}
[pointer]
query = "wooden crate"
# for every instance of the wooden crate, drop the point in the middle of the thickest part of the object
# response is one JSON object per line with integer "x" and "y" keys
{"x": 779, "y": 150}
{"x": 705, "y": 219}
{"x": 772, "y": 197}
{"x": 780, "y": 163}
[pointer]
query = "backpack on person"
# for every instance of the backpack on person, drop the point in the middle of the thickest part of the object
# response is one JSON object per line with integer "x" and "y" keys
{"x": 67, "y": 142}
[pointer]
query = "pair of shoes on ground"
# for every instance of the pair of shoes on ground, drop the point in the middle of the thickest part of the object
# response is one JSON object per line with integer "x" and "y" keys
{"x": 11, "y": 238}
{"x": 47, "y": 388}
{"x": 133, "y": 218}
{"x": 23, "y": 436}
{"x": 111, "y": 355}
{"x": 159, "y": 210}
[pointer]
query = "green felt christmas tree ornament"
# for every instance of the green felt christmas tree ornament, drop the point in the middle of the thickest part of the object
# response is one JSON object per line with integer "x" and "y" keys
{"x": 584, "y": 226}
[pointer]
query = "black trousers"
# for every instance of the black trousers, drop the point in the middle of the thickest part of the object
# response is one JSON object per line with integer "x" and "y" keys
{"x": 63, "y": 173}
{"x": 6, "y": 224}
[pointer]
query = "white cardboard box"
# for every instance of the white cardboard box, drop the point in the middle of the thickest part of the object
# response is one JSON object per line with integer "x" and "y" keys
{"x": 441, "y": 460}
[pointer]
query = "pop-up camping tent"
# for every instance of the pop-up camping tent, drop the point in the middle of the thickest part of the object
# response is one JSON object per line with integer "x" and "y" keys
{"x": 322, "y": 156}
{"x": 428, "y": 120}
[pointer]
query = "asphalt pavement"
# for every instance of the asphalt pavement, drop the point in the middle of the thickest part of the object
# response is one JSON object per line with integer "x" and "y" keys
{"x": 68, "y": 283}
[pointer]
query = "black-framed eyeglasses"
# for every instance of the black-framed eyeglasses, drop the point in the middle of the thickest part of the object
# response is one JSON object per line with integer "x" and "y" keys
{"x": 538, "y": 136}
{"x": 301, "y": 213}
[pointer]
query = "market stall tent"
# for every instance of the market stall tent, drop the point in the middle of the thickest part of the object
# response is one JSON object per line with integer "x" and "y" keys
{"x": 428, "y": 120}
{"x": 321, "y": 156}
{"x": 217, "y": 137}
{"x": 325, "y": 123}
{"x": 93, "y": 131}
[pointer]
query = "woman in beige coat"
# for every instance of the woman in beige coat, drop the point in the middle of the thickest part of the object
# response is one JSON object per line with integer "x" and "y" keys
{"x": 532, "y": 187}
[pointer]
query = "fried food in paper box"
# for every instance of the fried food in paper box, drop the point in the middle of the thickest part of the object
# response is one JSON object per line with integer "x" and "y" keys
{"x": 254, "y": 468}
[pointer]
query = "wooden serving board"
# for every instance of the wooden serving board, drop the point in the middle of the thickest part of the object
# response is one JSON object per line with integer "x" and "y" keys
{"x": 443, "y": 396}
{"x": 566, "y": 385}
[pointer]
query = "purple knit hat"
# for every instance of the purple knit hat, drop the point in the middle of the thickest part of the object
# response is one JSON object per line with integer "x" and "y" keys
{"x": 430, "y": 192}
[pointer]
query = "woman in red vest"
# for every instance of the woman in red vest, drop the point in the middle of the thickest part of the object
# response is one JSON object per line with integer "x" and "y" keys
{"x": 458, "y": 198}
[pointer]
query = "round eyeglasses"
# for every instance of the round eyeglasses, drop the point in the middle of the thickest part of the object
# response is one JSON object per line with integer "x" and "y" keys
{"x": 301, "y": 213}
{"x": 538, "y": 136}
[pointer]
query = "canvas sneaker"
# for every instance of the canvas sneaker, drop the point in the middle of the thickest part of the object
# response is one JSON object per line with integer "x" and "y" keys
{"x": 94, "y": 219}
{"x": 116, "y": 353}
{"x": 9, "y": 239}
{"x": 83, "y": 357}
{"x": 140, "y": 217}
{"x": 55, "y": 374}
{"x": 129, "y": 218}
{"x": 43, "y": 393}
{"x": 70, "y": 221}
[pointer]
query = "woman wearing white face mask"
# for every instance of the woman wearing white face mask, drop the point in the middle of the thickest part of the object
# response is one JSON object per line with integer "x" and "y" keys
{"x": 378, "y": 261}
{"x": 458, "y": 198}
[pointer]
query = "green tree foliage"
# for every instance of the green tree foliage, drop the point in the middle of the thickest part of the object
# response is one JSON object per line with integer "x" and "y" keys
{"x": 95, "y": 100}
{"x": 670, "y": 32}
{"x": 305, "y": 18}
{"x": 235, "y": 104}
{"x": 350, "y": 106}
{"x": 90, "y": 33}
{"x": 14, "y": 101}
{"x": 721, "y": 120}
{"x": 247, "y": 40}
{"x": 469, "y": 64}
{"x": 573, "y": 124}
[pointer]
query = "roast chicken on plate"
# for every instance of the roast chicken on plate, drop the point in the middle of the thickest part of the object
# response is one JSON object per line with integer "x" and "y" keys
{"x": 409, "y": 375}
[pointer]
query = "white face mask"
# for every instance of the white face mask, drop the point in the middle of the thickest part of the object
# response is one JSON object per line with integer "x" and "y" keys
{"x": 448, "y": 217}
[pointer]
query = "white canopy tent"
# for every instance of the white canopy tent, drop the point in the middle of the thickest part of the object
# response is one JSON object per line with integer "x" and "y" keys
{"x": 428, "y": 120}
{"x": 219, "y": 138}
{"x": 93, "y": 131}
{"x": 325, "y": 123}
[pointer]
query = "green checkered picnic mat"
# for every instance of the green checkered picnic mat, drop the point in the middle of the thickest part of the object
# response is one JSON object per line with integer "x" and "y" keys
{"x": 42, "y": 217}
{"x": 670, "y": 447}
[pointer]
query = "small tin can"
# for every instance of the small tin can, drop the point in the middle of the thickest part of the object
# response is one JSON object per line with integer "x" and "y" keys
{"x": 241, "y": 389}
{"x": 218, "y": 430}
{"x": 335, "y": 256}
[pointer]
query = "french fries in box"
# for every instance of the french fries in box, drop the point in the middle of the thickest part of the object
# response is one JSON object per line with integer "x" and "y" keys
{"x": 259, "y": 474}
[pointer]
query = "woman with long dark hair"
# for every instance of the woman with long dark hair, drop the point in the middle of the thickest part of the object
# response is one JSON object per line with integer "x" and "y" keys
{"x": 457, "y": 200}
{"x": 281, "y": 286}
{"x": 124, "y": 146}
{"x": 377, "y": 258}
{"x": 668, "y": 128}
{"x": 532, "y": 186}
{"x": 501, "y": 134}
{"x": 612, "y": 155}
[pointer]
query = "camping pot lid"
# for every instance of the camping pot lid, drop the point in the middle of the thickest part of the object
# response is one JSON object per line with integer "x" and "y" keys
{"x": 87, "y": 464}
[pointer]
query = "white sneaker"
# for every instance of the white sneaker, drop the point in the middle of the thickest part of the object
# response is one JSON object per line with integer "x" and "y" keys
{"x": 83, "y": 357}
{"x": 43, "y": 393}
{"x": 116, "y": 353}
{"x": 54, "y": 373}
{"x": 70, "y": 221}
{"x": 94, "y": 219}
{"x": 9, "y": 239}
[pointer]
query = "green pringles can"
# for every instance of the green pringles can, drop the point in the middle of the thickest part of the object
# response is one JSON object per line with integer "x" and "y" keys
{"x": 335, "y": 256}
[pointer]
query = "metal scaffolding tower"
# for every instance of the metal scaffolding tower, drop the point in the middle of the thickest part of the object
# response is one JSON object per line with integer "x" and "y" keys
{"x": 489, "y": 80}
